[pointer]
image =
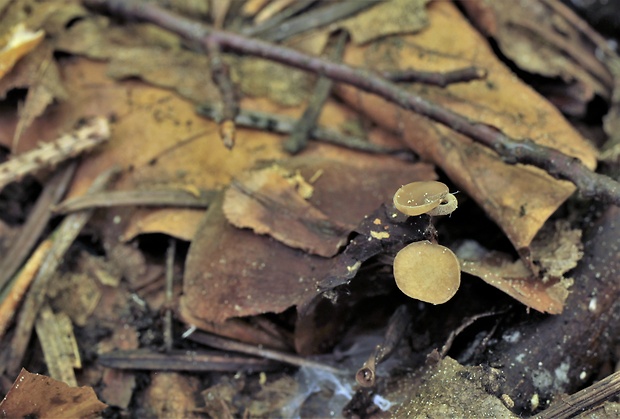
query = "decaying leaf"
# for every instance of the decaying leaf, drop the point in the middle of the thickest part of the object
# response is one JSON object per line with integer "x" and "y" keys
{"x": 263, "y": 78}
{"x": 19, "y": 42}
{"x": 518, "y": 198}
{"x": 541, "y": 41}
{"x": 555, "y": 250}
{"x": 136, "y": 51}
{"x": 386, "y": 18}
{"x": 514, "y": 278}
{"x": 60, "y": 349}
{"x": 267, "y": 202}
{"x": 171, "y": 394}
{"x": 156, "y": 137}
{"x": 34, "y": 395}
{"x": 117, "y": 385}
{"x": 221, "y": 281}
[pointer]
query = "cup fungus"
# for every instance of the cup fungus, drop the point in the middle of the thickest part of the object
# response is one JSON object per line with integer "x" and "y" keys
{"x": 428, "y": 272}
{"x": 428, "y": 197}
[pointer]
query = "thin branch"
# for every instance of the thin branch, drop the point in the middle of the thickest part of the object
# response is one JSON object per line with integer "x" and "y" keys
{"x": 64, "y": 236}
{"x": 182, "y": 360}
{"x": 37, "y": 221}
{"x": 316, "y": 18}
{"x": 513, "y": 151}
{"x": 281, "y": 124}
{"x": 322, "y": 90}
{"x": 140, "y": 198}
{"x": 397, "y": 326}
{"x": 230, "y": 108}
{"x": 226, "y": 344}
{"x": 83, "y": 139}
{"x": 589, "y": 397}
{"x": 266, "y": 25}
{"x": 167, "y": 327}
{"x": 435, "y": 78}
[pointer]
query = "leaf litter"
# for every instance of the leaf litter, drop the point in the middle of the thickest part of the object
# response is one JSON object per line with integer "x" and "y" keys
{"x": 295, "y": 252}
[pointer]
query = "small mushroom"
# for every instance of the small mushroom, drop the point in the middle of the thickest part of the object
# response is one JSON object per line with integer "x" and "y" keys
{"x": 428, "y": 272}
{"x": 427, "y": 197}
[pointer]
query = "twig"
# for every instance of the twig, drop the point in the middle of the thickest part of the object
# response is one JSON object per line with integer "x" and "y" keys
{"x": 461, "y": 75}
{"x": 231, "y": 345}
{"x": 316, "y": 18}
{"x": 170, "y": 254}
{"x": 464, "y": 325}
{"x": 589, "y": 397}
{"x": 513, "y": 151}
{"x": 83, "y": 139}
{"x": 277, "y": 19}
{"x": 36, "y": 223}
{"x": 64, "y": 236}
{"x": 589, "y": 62}
{"x": 397, "y": 326}
{"x": 580, "y": 24}
{"x": 140, "y": 198}
{"x": 182, "y": 360}
{"x": 281, "y": 124}
{"x": 13, "y": 296}
{"x": 221, "y": 78}
{"x": 322, "y": 90}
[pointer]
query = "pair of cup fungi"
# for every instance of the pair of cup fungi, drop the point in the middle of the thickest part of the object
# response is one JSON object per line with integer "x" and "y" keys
{"x": 424, "y": 270}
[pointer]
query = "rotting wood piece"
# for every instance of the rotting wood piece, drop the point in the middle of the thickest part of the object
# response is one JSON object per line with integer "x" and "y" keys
{"x": 560, "y": 353}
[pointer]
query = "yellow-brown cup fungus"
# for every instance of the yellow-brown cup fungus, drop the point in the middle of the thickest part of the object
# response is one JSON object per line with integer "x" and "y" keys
{"x": 423, "y": 270}
{"x": 427, "y": 272}
{"x": 428, "y": 197}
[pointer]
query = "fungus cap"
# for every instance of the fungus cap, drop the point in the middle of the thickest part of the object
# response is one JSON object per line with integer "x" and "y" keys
{"x": 419, "y": 197}
{"x": 427, "y": 272}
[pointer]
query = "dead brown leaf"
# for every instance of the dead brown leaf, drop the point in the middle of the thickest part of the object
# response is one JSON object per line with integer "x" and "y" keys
{"x": 541, "y": 41}
{"x": 222, "y": 281}
{"x": 157, "y": 138}
{"x": 17, "y": 43}
{"x": 266, "y": 201}
{"x": 518, "y": 198}
{"x": 515, "y": 279}
{"x": 140, "y": 51}
{"x": 34, "y": 395}
{"x": 555, "y": 250}
{"x": 386, "y": 18}
{"x": 171, "y": 394}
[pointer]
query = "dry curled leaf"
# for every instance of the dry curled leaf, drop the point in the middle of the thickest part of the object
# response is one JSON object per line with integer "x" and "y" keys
{"x": 518, "y": 198}
{"x": 514, "y": 278}
{"x": 542, "y": 41}
{"x": 267, "y": 202}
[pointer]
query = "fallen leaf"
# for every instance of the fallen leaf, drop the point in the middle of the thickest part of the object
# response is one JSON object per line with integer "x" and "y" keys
{"x": 386, "y": 18}
{"x": 134, "y": 52}
{"x": 267, "y": 202}
{"x": 170, "y": 394}
{"x": 156, "y": 137}
{"x": 541, "y": 41}
{"x": 34, "y": 395}
{"x": 242, "y": 274}
{"x": 514, "y": 278}
{"x": 555, "y": 250}
{"x": 19, "y": 42}
{"x": 518, "y": 198}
